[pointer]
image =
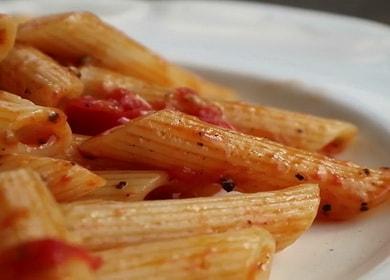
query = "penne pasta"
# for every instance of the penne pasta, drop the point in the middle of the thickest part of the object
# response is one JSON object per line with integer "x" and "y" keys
{"x": 28, "y": 211}
{"x": 184, "y": 145}
{"x": 286, "y": 214}
{"x": 66, "y": 180}
{"x": 8, "y": 28}
{"x": 27, "y": 128}
{"x": 72, "y": 154}
{"x": 99, "y": 82}
{"x": 78, "y": 35}
{"x": 32, "y": 227}
{"x": 126, "y": 185}
{"x": 35, "y": 76}
{"x": 290, "y": 128}
{"x": 240, "y": 254}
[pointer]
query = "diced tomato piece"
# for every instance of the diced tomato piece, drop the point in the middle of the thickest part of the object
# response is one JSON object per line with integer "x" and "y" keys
{"x": 188, "y": 101}
{"x": 90, "y": 116}
{"x": 133, "y": 105}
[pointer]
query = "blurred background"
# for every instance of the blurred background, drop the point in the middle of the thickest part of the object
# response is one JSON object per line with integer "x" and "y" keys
{"x": 378, "y": 10}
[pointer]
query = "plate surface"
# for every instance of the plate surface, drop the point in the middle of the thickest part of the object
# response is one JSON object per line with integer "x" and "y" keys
{"x": 307, "y": 61}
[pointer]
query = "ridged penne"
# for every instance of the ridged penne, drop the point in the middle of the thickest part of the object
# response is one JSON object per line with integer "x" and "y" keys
{"x": 27, "y": 128}
{"x": 32, "y": 230}
{"x": 73, "y": 154}
{"x": 98, "y": 82}
{"x": 236, "y": 254}
{"x": 290, "y": 128}
{"x": 8, "y": 28}
{"x": 172, "y": 141}
{"x": 66, "y": 180}
{"x": 35, "y": 76}
{"x": 286, "y": 214}
{"x": 28, "y": 210}
{"x": 77, "y": 35}
{"x": 127, "y": 185}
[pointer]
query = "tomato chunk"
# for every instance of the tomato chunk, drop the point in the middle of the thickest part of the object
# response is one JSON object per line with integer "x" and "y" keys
{"x": 188, "y": 101}
{"x": 90, "y": 116}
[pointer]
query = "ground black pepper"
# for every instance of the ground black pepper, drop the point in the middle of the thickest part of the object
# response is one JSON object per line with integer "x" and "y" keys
{"x": 53, "y": 117}
{"x": 227, "y": 184}
{"x": 364, "y": 206}
{"x": 299, "y": 176}
{"x": 366, "y": 171}
{"x": 121, "y": 185}
{"x": 326, "y": 208}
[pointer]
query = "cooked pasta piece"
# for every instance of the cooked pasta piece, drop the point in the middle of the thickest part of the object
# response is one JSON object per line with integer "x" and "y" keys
{"x": 127, "y": 185}
{"x": 292, "y": 129}
{"x": 286, "y": 214}
{"x": 66, "y": 180}
{"x": 99, "y": 82}
{"x": 32, "y": 227}
{"x": 8, "y": 28}
{"x": 183, "y": 144}
{"x": 27, "y": 128}
{"x": 27, "y": 209}
{"x": 236, "y": 254}
{"x": 72, "y": 154}
{"x": 35, "y": 76}
{"x": 75, "y": 36}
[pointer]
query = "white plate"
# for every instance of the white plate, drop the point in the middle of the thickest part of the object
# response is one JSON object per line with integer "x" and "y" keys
{"x": 308, "y": 61}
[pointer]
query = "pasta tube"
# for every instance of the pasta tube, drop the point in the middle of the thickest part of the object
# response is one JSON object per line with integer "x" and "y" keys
{"x": 32, "y": 227}
{"x": 66, "y": 180}
{"x": 240, "y": 254}
{"x": 8, "y": 28}
{"x": 27, "y": 128}
{"x": 126, "y": 185}
{"x": 35, "y": 76}
{"x": 98, "y": 82}
{"x": 286, "y": 214}
{"x": 77, "y": 35}
{"x": 28, "y": 210}
{"x": 73, "y": 154}
{"x": 289, "y": 128}
{"x": 171, "y": 140}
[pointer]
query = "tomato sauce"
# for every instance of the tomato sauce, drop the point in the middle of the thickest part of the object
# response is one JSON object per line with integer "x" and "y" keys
{"x": 40, "y": 255}
{"x": 188, "y": 101}
{"x": 90, "y": 116}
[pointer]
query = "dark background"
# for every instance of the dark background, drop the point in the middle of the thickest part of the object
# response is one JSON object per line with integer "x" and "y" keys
{"x": 378, "y": 10}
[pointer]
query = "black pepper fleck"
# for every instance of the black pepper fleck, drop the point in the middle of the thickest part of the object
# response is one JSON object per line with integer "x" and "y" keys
{"x": 200, "y": 144}
{"x": 299, "y": 176}
{"x": 298, "y": 130}
{"x": 200, "y": 133}
{"x": 326, "y": 208}
{"x": 249, "y": 222}
{"x": 121, "y": 185}
{"x": 366, "y": 171}
{"x": 364, "y": 206}
{"x": 53, "y": 117}
{"x": 227, "y": 184}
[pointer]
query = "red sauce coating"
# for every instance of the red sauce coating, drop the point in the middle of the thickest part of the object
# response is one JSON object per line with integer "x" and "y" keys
{"x": 40, "y": 255}
{"x": 188, "y": 101}
{"x": 90, "y": 116}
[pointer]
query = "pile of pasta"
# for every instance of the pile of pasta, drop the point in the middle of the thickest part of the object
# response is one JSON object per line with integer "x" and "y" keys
{"x": 117, "y": 164}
